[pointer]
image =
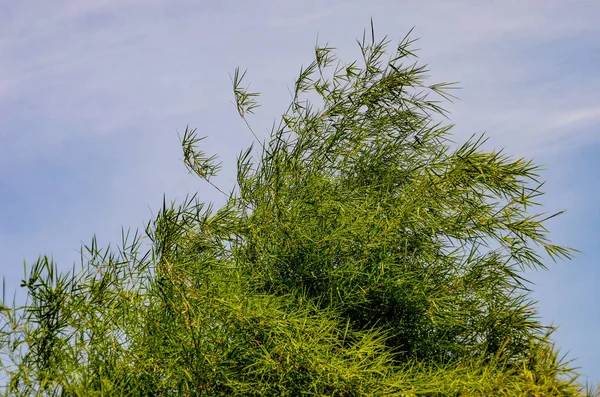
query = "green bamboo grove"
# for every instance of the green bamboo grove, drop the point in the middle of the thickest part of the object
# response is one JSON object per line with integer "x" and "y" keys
{"x": 361, "y": 253}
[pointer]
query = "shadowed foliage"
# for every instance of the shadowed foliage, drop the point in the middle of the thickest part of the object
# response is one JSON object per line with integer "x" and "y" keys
{"x": 361, "y": 253}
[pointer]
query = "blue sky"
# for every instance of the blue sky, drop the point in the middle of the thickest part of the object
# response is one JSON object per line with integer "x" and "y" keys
{"x": 92, "y": 93}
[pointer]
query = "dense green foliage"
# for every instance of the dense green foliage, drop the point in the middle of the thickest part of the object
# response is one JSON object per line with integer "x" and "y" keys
{"x": 360, "y": 254}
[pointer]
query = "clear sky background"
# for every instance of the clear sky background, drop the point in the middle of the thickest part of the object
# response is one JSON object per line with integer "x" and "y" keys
{"x": 93, "y": 91}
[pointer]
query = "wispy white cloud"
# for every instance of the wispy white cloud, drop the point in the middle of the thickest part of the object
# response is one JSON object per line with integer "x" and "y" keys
{"x": 577, "y": 117}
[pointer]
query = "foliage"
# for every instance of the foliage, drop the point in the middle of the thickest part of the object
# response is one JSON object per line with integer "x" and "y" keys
{"x": 360, "y": 254}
